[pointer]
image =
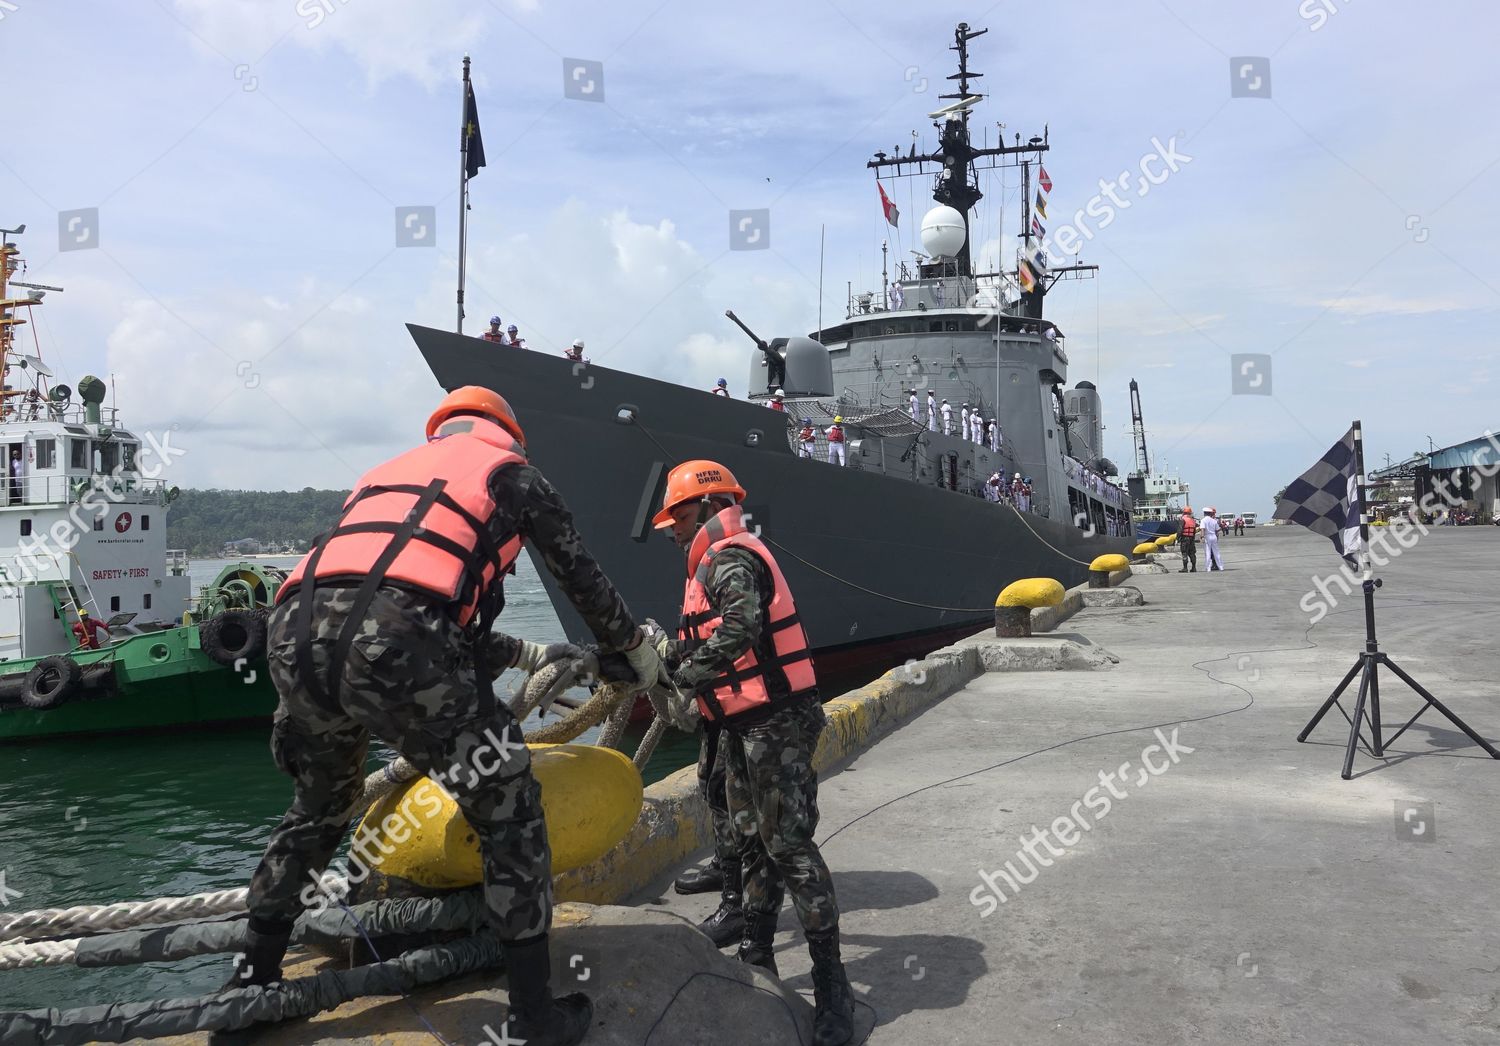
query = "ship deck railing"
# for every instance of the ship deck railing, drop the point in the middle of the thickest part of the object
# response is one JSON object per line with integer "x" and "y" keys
{"x": 43, "y": 409}
{"x": 63, "y": 490}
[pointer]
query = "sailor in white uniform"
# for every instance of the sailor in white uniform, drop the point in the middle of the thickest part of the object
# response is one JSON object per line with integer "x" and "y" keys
{"x": 947, "y": 419}
{"x": 931, "y": 412}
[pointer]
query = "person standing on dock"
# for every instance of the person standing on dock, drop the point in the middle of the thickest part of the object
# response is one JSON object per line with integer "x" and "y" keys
{"x": 384, "y": 629}
{"x": 742, "y": 652}
{"x": 1187, "y": 541}
{"x": 1211, "y": 530}
{"x": 835, "y": 434}
{"x": 494, "y": 334}
{"x": 807, "y": 440}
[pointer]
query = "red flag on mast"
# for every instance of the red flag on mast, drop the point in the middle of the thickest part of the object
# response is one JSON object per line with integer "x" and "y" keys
{"x": 891, "y": 214}
{"x": 1042, "y": 178}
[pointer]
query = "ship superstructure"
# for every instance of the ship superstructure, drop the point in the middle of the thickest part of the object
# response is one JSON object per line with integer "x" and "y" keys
{"x": 905, "y": 547}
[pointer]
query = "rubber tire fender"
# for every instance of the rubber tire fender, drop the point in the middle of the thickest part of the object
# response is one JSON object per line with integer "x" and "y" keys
{"x": 51, "y": 681}
{"x": 233, "y": 636}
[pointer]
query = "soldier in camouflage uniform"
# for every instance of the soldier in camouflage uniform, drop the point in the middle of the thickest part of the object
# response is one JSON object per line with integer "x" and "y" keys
{"x": 402, "y": 667}
{"x": 726, "y": 925}
{"x": 752, "y": 674}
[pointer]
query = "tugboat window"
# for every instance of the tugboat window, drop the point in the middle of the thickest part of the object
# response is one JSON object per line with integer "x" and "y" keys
{"x": 25, "y": 528}
{"x": 78, "y": 454}
{"x": 98, "y": 522}
{"x": 114, "y": 602}
{"x": 146, "y": 523}
{"x": 46, "y": 453}
{"x": 109, "y": 455}
{"x": 129, "y": 459}
{"x": 146, "y": 601}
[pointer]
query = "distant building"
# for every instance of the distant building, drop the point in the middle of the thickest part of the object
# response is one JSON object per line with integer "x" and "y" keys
{"x": 241, "y": 547}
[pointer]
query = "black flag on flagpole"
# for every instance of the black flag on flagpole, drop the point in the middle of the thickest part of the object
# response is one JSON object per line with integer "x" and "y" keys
{"x": 1326, "y": 499}
{"x": 473, "y": 140}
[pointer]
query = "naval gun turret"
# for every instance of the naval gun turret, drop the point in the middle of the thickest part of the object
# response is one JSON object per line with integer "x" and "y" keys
{"x": 798, "y": 366}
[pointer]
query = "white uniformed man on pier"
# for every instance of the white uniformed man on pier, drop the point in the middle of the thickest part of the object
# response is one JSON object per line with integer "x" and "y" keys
{"x": 835, "y": 433}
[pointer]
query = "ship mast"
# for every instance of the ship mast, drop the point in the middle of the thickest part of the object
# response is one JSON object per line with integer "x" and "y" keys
{"x": 9, "y": 262}
{"x": 956, "y": 179}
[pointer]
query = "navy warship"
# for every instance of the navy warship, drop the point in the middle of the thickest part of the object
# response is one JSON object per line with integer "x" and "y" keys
{"x": 904, "y": 548}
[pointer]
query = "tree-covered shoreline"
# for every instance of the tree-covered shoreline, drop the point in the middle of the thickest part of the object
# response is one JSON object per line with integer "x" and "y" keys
{"x": 203, "y": 521}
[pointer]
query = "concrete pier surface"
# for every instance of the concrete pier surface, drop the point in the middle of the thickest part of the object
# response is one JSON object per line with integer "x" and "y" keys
{"x": 1225, "y": 886}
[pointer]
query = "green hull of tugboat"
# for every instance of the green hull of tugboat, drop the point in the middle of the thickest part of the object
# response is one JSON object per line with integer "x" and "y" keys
{"x": 158, "y": 681}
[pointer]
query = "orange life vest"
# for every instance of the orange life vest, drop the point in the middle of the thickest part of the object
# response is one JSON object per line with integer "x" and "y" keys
{"x": 807, "y": 435}
{"x": 777, "y": 405}
{"x": 742, "y": 688}
{"x": 421, "y": 521}
{"x": 835, "y": 434}
{"x": 495, "y": 336}
{"x": 1189, "y": 526}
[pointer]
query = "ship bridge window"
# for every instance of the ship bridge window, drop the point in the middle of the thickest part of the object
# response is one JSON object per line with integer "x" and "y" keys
{"x": 78, "y": 453}
{"x": 106, "y": 456}
{"x": 128, "y": 456}
{"x": 46, "y": 453}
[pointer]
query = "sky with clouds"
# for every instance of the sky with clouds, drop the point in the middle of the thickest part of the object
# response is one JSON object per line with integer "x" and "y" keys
{"x": 247, "y": 158}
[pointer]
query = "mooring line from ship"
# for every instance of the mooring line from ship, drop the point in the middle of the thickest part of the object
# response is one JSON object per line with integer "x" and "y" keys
{"x": 1197, "y": 665}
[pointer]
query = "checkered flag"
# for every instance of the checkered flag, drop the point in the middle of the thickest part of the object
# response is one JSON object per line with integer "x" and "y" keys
{"x": 1326, "y": 499}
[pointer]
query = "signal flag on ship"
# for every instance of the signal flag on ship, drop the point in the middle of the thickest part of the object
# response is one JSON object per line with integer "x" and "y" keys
{"x": 892, "y": 215}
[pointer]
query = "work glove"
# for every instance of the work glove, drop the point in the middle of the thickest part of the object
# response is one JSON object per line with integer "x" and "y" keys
{"x": 659, "y": 639}
{"x": 675, "y": 707}
{"x": 646, "y": 663}
{"x": 532, "y": 657}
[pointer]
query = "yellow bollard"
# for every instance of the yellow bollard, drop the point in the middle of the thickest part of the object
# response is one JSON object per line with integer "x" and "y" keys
{"x": 1019, "y": 598}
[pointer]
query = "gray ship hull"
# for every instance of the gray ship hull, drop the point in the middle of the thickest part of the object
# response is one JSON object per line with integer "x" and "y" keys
{"x": 883, "y": 568}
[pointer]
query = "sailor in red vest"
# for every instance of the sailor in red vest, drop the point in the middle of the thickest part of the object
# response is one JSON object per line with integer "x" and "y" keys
{"x": 574, "y": 352}
{"x": 742, "y": 651}
{"x": 384, "y": 630}
{"x": 494, "y": 334}
{"x": 776, "y": 401}
{"x": 721, "y": 388}
{"x": 806, "y": 440}
{"x": 1187, "y": 541}
{"x": 835, "y": 434}
{"x": 87, "y": 630}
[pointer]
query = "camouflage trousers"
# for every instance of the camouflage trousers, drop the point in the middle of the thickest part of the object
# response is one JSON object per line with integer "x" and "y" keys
{"x": 773, "y": 805}
{"x": 728, "y": 843}
{"x": 409, "y": 679}
{"x": 1189, "y": 549}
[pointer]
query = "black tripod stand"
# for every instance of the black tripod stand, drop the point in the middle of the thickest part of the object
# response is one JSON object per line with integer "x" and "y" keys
{"x": 1369, "y": 687}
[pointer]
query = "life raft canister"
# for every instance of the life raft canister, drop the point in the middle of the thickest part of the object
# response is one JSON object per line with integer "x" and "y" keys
{"x": 420, "y": 520}
{"x": 743, "y": 687}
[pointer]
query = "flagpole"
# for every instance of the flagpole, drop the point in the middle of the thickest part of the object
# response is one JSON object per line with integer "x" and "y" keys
{"x": 463, "y": 191}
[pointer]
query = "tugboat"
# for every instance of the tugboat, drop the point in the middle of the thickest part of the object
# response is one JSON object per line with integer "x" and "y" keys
{"x": 904, "y": 548}
{"x": 98, "y": 634}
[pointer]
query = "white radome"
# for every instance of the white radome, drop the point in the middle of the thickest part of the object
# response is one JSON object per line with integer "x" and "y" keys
{"x": 942, "y": 232}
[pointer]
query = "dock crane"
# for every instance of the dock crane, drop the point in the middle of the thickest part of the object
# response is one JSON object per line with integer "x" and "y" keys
{"x": 1138, "y": 426}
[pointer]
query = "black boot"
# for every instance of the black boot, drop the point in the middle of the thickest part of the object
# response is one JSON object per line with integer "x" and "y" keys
{"x": 726, "y": 925}
{"x": 701, "y": 880}
{"x": 535, "y": 1015}
{"x": 757, "y": 948}
{"x": 833, "y": 999}
{"x": 260, "y": 962}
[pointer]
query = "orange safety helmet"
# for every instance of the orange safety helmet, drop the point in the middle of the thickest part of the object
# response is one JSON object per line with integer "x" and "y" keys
{"x": 1188, "y": 511}
{"x": 693, "y": 480}
{"x": 480, "y": 400}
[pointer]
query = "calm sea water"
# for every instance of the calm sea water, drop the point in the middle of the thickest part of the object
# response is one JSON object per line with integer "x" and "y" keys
{"x": 91, "y": 821}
